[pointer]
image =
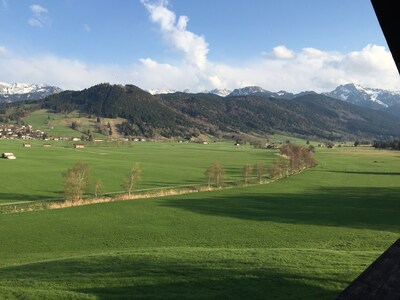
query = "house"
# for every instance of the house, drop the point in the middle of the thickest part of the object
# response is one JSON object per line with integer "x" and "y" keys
{"x": 46, "y": 145}
{"x": 79, "y": 146}
{"x": 26, "y": 145}
{"x": 8, "y": 155}
{"x": 75, "y": 139}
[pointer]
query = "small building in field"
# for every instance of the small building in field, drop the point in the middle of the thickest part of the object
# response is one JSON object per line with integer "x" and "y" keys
{"x": 8, "y": 155}
{"x": 46, "y": 145}
{"x": 26, "y": 145}
{"x": 79, "y": 146}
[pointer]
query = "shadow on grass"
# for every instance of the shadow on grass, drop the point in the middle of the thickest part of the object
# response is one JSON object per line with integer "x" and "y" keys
{"x": 158, "y": 277}
{"x": 14, "y": 197}
{"x": 365, "y": 173}
{"x": 373, "y": 208}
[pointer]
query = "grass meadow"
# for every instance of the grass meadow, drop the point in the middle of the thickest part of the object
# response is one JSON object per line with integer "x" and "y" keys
{"x": 37, "y": 172}
{"x": 305, "y": 237}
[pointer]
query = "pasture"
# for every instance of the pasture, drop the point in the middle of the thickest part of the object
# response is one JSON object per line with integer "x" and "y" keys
{"x": 305, "y": 237}
{"x": 36, "y": 173}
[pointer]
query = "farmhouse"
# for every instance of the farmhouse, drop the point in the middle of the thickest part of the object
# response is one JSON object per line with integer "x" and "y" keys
{"x": 26, "y": 145}
{"x": 79, "y": 146}
{"x": 8, "y": 155}
{"x": 46, "y": 145}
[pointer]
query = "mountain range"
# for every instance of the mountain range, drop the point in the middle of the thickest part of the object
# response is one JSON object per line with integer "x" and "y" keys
{"x": 25, "y": 91}
{"x": 251, "y": 110}
{"x": 379, "y": 99}
{"x": 187, "y": 115}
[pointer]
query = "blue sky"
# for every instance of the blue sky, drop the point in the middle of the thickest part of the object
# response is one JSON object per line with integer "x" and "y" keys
{"x": 292, "y": 45}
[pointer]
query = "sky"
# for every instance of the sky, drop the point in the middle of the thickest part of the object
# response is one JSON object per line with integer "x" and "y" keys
{"x": 291, "y": 45}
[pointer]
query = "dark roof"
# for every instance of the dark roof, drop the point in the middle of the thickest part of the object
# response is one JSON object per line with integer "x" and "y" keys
{"x": 388, "y": 17}
{"x": 380, "y": 281}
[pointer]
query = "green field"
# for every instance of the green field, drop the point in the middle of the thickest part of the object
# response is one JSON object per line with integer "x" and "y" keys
{"x": 36, "y": 173}
{"x": 305, "y": 237}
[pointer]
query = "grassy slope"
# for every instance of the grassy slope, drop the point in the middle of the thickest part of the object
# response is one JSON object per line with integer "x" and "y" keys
{"x": 305, "y": 237}
{"x": 36, "y": 173}
{"x": 59, "y": 125}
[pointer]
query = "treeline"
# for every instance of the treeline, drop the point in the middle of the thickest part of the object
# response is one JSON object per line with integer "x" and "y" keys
{"x": 293, "y": 159}
{"x": 393, "y": 144}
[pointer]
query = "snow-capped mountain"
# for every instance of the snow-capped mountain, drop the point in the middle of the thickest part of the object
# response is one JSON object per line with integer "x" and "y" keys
{"x": 366, "y": 97}
{"x": 25, "y": 91}
{"x": 160, "y": 91}
{"x": 220, "y": 92}
{"x": 256, "y": 90}
{"x": 248, "y": 90}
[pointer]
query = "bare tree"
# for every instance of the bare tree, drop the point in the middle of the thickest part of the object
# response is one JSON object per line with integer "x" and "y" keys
{"x": 208, "y": 174}
{"x": 76, "y": 180}
{"x": 275, "y": 170}
{"x": 98, "y": 185}
{"x": 215, "y": 172}
{"x": 246, "y": 171}
{"x": 259, "y": 169}
{"x": 219, "y": 173}
{"x": 132, "y": 179}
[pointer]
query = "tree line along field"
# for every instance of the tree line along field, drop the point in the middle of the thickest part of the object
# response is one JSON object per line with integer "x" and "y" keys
{"x": 305, "y": 237}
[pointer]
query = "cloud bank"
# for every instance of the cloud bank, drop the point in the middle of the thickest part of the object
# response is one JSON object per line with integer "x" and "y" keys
{"x": 274, "y": 69}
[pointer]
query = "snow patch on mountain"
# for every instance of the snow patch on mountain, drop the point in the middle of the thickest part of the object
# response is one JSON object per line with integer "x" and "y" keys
{"x": 248, "y": 90}
{"x": 220, "y": 92}
{"x": 367, "y": 97}
{"x": 160, "y": 91}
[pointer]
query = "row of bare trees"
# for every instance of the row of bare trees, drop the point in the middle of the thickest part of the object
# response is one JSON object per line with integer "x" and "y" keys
{"x": 214, "y": 174}
{"x": 293, "y": 159}
{"x": 77, "y": 180}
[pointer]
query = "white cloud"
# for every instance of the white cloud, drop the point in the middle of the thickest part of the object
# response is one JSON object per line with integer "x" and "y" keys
{"x": 193, "y": 46}
{"x": 39, "y": 16}
{"x": 281, "y": 52}
{"x": 37, "y": 9}
{"x": 308, "y": 69}
{"x": 35, "y": 22}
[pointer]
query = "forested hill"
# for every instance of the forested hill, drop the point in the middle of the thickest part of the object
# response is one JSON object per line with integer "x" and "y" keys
{"x": 146, "y": 114}
{"x": 184, "y": 115}
{"x": 308, "y": 115}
